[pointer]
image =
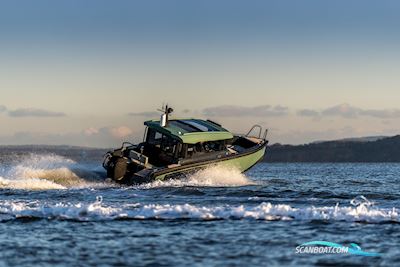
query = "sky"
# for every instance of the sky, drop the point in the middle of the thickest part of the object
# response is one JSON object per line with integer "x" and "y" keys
{"x": 90, "y": 72}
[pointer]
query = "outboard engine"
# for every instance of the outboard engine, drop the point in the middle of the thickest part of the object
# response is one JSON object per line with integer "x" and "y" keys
{"x": 121, "y": 164}
{"x": 117, "y": 162}
{"x": 116, "y": 168}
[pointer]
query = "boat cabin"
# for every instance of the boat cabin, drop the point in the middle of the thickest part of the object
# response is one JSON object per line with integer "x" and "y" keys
{"x": 184, "y": 140}
{"x": 172, "y": 148}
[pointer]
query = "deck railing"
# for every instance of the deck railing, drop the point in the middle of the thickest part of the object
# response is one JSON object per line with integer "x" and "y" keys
{"x": 260, "y": 130}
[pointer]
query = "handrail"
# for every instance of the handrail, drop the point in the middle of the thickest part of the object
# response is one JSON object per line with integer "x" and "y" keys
{"x": 259, "y": 132}
{"x": 254, "y": 127}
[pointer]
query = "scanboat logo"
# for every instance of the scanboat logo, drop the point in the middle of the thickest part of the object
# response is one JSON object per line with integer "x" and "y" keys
{"x": 324, "y": 247}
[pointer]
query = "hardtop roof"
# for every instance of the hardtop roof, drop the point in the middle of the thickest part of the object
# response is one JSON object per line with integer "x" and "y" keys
{"x": 191, "y": 131}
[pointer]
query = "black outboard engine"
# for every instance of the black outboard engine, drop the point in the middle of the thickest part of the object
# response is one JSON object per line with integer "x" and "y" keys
{"x": 118, "y": 162}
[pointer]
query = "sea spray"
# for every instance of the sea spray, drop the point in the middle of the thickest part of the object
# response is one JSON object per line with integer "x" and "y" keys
{"x": 100, "y": 211}
{"x": 48, "y": 171}
{"x": 220, "y": 176}
{"x": 214, "y": 176}
{"x": 29, "y": 184}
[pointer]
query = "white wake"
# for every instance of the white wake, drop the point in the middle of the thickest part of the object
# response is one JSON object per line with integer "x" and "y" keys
{"x": 45, "y": 172}
{"x": 214, "y": 176}
{"x": 99, "y": 211}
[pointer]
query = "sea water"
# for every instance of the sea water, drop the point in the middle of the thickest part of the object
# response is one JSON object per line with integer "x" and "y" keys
{"x": 57, "y": 210}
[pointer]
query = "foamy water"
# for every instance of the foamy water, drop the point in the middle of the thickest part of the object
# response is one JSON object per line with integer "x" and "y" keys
{"x": 29, "y": 184}
{"x": 57, "y": 210}
{"x": 49, "y": 172}
{"x": 212, "y": 177}
{"x": 42, "y": 172}
{"x": 53, "y": 172}
{"x": 97, "y": 210}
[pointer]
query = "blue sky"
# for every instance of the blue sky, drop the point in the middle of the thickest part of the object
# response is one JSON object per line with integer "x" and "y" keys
{"x": 74, "y": 72}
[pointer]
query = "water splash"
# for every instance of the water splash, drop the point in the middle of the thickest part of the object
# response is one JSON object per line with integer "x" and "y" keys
{"x": 99, "y": 211}
{"x": 220, "y": 176}
{"x": 49, "y": 171}
{"x": 29, "y": 184}
{"x": 214, "y": 176}
{"x": 361, "y": 201}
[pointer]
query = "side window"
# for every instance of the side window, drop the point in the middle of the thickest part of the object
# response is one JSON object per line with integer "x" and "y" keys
{"x": 158, "y": 137}
{"x": 190, "y": 150}
{"x": 154, "y": 137}
{"x": 168, "y": 145}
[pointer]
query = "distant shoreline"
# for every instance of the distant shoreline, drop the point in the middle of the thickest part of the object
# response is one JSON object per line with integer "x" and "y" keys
{"x": 385, "y": 150}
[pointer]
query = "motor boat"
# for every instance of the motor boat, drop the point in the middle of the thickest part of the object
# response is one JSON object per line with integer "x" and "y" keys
{"x": 175, "y": 148}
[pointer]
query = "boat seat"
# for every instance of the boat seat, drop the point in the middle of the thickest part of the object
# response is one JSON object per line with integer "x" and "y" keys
{"x": 231, "y": 150}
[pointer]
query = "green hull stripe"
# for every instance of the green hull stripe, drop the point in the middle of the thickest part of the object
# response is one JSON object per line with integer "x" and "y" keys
{"x": 242, "y": 163}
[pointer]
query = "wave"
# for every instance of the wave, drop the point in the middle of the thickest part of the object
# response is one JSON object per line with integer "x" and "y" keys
{"x": 98, "y": 211}
{"x": 214, "y": 176}
{"x": 30, "y": 184}
{"x": 50, "y": 171}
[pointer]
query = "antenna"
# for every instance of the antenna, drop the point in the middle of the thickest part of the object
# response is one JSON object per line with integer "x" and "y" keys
{"x": 164, "y": 117}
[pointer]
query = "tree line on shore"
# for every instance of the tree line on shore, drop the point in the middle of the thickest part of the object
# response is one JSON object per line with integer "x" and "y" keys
{"x": 382, "y": 150}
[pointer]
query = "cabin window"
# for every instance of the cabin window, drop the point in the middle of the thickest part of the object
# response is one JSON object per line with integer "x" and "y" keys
{"x": 158, "y": 136}
{"x": 154, "y": 137}
{"x": 210, "y": 146}
{"x": 190, "y": 150}
{"x": 163, "y": 147}
{"x": 214, "y": 146}
{"x": 168, "y": 145}
{"x": 193, "y": 125}
{"x": 205, "y": 147}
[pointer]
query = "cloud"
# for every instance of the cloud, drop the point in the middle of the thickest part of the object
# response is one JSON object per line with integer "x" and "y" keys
{"x": 90, "y": 131}
{"x": 383, "y": 114}
{"x": 302, "y": 136}
{"x": 3, "y": 108}
{"x": 145, "y": 114}
{"x": 239, "y": 111}
{"x": 115, "y": 132}
{"x": 308, "y": 113}
{"x": 350, "y": 112}
{"x": 343, "y": 110}
{"x": 93, "y": 137}
{"x": 34, "y": 112}
{"x": 120, "y": 132}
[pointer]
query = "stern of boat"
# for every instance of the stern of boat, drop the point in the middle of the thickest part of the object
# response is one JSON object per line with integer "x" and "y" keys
{"x": 126, "y": 165}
